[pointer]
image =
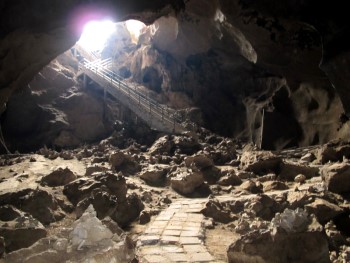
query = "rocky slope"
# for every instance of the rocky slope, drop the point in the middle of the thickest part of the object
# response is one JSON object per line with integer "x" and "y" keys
{"x": 281, "y": 202}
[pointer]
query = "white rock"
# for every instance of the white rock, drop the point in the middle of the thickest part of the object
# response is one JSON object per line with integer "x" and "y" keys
{"x": 89, "y": 230}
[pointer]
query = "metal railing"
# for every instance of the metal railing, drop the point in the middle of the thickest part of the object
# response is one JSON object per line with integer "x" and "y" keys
{"x": 155, "y": 114}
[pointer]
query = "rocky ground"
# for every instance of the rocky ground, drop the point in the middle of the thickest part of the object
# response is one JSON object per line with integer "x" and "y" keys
{"x": 195, "y": 197}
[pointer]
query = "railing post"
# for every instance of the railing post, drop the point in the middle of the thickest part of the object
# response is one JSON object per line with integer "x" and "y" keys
{"x": 139, "y": 99}
{"x": 104, "y": 102}
{"x": 162, "y": 114}
{"x": 84, "y": 81}
{"x": 150, "y": 107}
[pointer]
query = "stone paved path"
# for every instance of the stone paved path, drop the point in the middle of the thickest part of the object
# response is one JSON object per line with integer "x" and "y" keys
{"x": 176, "y": 235}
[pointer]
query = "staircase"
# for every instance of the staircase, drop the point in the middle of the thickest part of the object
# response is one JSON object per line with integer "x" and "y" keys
{"x": 157, "y": 116}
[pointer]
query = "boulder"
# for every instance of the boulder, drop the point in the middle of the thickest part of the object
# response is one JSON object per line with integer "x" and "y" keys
{"x": 37, "y": 202}
{"x": 230, "y": 179}
{"x": 216, "y": 211}
{"x": 123, "y": 162}
{"x": 103, "y": 203}
{"x": 83, "y": 187}
{"x": 116, "y": 159}
{"x": 211, "y": 174}
{"x": 292, "y": 237}
{"x": 251, "y": 186}
{"x": 324, "y": 210}
{"x": 89, "y": 230}
{"x": 297, "y": 199}
{"x": 116, "y": 184}
{"x": 186, "y": 144}
{"x": 128, "y": 211}
{"x": 288, "y": 171}
{"x": 337, "y": 177}
{"x": 274, "y": 185}
{"x": 20, "y": 232}
{"x": 154, "y": 174}
{"x": 58, "y": 177}
{"x": 94, "y": 169}
{"x": 162, "y": 145}
{"x": 224, "y": 152}
{"x": 186, "y": 180}
{"x": 260, "y": 162}
{"x": 326, "y": 154}
{"x": 200, "y": 161}
{"x": 80, "y": 189}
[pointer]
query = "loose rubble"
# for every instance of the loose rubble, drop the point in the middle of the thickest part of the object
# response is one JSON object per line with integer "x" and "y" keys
{"x": 72, "y": 205}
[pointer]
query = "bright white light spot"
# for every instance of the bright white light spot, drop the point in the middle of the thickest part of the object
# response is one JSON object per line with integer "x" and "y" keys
{"x": 95, "y": 34}
{"x": 134, "y": 27}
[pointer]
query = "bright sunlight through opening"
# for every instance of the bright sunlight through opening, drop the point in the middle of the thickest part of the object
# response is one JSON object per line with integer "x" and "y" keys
{"x": 134, "y": 27}
{"x": 95, "y": 34}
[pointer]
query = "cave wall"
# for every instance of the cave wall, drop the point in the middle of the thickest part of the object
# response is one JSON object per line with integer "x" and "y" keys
{"x": 56, "y": 111}
{"x": 33, "y": 33}
{"x": 217, "y": 55}
{"x": 233, "y": 62}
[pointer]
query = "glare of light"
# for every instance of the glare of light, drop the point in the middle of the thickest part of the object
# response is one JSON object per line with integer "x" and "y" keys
{"x": 134, "y": 27}
{"x": 95, "y": 34}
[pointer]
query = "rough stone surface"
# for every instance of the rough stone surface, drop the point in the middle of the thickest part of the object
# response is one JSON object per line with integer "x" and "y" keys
{"x": 324, "y": 210}
{"x": 186, "y": 181}
{"x": 162, "y": 145}
{"x": 230, "y": 179}
{"x": 154, "y": 174}
{"x": 260, "y": 162}
{"x": 82, "y": 187}
{"x": 89, "y": 240}
{"x": 288, "y": 171}
{"x": 200, "y": 161}
{"x": 215, "y": 210}
{"x": 282, "y": 245}
{"x": 251, "y": 186}
{"x": 39, "y": 203}
{"x": 20, "y": 232}
{"x": 337, "y": 177}
{"x": 274, "y": 185}
{"x": 58, "y": 177}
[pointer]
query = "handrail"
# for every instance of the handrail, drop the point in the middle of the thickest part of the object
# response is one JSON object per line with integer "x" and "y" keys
{"x": 100, "y": 68}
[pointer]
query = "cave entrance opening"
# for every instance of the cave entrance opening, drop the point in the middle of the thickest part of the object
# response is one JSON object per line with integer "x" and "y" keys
{"x": 97, "y": 33}
{"x": 135, "y": 28}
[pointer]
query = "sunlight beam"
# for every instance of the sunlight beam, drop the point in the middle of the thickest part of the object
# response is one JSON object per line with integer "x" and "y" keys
{"x": 95, "y": 34}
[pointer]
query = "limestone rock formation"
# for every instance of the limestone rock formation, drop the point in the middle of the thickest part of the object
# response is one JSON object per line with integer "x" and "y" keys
{"x": 155, "y": 174}
{"x": 59, "y": 177}
{"x": 19, "y": 230}
{"x": 337, "y": 177}
{"x": 286, "y": 242}
{"x": 52, "y": 110}
{"x": 89, "y": 240}
{"x": 39, "y": 203}
{"x": 185, "y": 181}
{"x": 108, "y": 195}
